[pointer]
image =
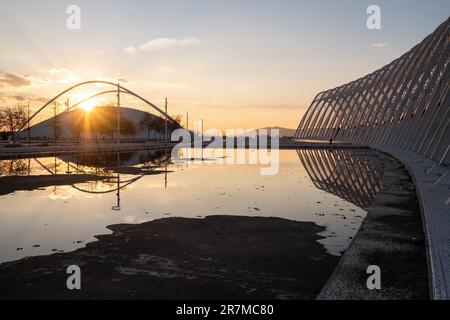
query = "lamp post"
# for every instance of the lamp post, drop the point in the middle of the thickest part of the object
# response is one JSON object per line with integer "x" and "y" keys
{"x": 118, "y": 114}
{"x": 187, "y": 121}
{"x": 165, "y": 123}
{"x": 28, "y": 125}
{"x": 55, "y": 124}
{"x": 202, "y": 139}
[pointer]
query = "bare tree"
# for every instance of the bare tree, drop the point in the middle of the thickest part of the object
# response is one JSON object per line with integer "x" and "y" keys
{"x": 13, "y": 118}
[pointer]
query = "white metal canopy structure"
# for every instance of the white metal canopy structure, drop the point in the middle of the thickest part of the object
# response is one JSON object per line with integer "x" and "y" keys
{"x": 404, "y": 105}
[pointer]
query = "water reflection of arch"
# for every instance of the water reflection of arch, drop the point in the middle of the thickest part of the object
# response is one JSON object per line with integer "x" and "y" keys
{"x": 353, "y": 175}
{"x": 125, "y": 163}
{"x": 107, "y": 166}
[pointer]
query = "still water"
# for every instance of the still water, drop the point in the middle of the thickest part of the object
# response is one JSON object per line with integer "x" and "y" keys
{"x": 57, "y": 204}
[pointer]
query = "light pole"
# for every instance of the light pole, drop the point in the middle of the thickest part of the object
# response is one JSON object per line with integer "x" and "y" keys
{"x": 202, "y": 139}
{"x": 117, "y": 207}
{"x": 187, "y": 121}
{"x": 55, "y": 122}
{"x": 28, "y": 125}
{"x": 118, "y": 114}
{"x": 165, "y": 123}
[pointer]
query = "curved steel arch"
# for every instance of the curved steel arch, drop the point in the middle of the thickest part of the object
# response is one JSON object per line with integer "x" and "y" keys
{"x": 126, "y": 92}
{"x": 404, "y": 105}
{"x": 125, "y": 184}
{"x": 119, "y": 87}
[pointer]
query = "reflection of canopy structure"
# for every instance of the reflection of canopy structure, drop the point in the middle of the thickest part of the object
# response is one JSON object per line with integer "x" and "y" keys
{"x": 353, "y": 175}
{"x": 404, "y": 105}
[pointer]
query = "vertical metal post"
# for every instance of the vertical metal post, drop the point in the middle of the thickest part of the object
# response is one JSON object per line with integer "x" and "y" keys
{"x": 165, "y": 124}
{"x": 187, "y": 121}
{"x": 118, "y": 114}
{"x": 54, "y": 123}
{"x": 165, "y": 169}
{"x": 202, "y": 138}
{"x": 117, "y": 206}
{"x": 28, "y": 125}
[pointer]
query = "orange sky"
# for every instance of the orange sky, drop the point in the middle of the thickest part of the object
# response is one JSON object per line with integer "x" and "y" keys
{"x": 235, "y": 64}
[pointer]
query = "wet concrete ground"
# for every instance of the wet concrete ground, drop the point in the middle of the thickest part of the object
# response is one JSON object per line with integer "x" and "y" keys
{"x": 219, "y": 257}
{"x": 227, "y": 257}
{"x": 391, "y": 237}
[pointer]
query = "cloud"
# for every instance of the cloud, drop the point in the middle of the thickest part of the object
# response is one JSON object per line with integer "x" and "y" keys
{"x": 12, "y": 80}
{"x": 41, "y": 99}
{"x": 24, "y": 97}
{"x": 63, "y": 76}
{"x": 130, "y": 50}
{"x": 162, "y": 43}
{"x": 381, "y": 45}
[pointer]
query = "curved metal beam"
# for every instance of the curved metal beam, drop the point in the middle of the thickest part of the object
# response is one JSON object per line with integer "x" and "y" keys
{"x": 404, "y": 105}
{"x": 121, "y": 88}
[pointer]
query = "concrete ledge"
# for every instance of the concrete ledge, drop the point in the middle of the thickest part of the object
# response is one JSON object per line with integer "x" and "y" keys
{"x": 433, "y": 190}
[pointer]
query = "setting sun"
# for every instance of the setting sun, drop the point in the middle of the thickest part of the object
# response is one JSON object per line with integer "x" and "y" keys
{"x": 88, "y": 105}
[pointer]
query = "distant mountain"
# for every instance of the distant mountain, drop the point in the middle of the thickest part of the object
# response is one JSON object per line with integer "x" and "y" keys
{"x": 283, "y": 132}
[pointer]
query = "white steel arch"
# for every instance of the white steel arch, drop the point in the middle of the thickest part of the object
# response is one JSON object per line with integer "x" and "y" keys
{"x": 405, "y": 105}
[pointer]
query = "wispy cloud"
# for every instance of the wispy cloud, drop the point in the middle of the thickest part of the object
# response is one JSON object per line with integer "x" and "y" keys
{"x": 380, "y": 45}
{"x": 12, "y": 80}
{"x": 130, "y": 50}
{"x": 163, "y": 43}
{"x": 20, "y": 98}
{"x": 63, "y": 76}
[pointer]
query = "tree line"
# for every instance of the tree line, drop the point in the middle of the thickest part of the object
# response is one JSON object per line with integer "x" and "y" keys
{"x": 12, "y": 119}
{"x": 100, "y": 122}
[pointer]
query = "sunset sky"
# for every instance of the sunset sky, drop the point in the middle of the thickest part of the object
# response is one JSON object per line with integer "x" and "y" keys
{"x": 236, "y": 64}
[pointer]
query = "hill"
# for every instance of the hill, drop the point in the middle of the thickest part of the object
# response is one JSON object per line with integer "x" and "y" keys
{"x": 98, "y": 123}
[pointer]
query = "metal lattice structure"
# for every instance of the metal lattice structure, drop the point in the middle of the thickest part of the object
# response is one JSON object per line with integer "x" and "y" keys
{"x": 404, "y": 105}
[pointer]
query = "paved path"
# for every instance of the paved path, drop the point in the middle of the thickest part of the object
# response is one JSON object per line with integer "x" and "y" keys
{"x": 390, "y": 237}
{"x": 433, "y": 187}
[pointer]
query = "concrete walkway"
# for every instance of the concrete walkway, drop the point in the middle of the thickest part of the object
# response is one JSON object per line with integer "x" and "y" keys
{"x": 433, "y": 189}
{"x": 391, "y": 237}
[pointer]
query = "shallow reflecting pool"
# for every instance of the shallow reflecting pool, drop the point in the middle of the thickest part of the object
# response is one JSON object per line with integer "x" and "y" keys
{"x": 56, "y": 204}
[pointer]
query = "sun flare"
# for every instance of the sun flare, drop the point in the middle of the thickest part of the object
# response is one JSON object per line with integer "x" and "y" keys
{"x": 88, "y": 105}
